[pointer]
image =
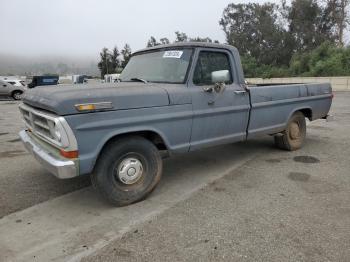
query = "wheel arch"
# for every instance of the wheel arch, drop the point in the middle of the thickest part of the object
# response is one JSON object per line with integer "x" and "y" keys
{"x": 16, "y": 90}
{"x": 154, "y": 136}
{"x": 151, "y": 135}
{"x": 307, "y": 112}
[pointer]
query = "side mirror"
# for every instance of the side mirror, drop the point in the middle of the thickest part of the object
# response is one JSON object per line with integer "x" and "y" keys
{"x": 221, "y": 76}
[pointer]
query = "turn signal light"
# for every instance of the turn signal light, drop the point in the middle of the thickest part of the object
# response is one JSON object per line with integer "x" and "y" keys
{"x": 94, "y": 106}
{"x": 69, "y": 154}
{"x": 85, "y": 107}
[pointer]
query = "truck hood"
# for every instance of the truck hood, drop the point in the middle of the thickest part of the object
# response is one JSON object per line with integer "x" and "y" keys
{"x": 62, "y": 99}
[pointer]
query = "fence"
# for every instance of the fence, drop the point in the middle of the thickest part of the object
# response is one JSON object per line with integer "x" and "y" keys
{"x": 338, "y": 83}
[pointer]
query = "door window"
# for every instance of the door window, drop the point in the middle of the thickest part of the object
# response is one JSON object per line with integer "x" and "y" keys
{"x": 209, "y": 62}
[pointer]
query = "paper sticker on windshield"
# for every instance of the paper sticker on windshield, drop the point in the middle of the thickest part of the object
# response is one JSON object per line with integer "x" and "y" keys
{"x": 173, "y": 54}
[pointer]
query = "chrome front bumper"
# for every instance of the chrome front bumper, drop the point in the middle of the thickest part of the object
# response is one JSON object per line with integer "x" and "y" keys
{"x": 60, "y": 168}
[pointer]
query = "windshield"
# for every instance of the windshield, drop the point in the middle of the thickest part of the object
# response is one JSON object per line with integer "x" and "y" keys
{"x": 168, "y": 66}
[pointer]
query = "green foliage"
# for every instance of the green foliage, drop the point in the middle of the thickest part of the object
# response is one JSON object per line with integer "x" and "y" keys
{"x": 105, "y": 64}
{"x": 201, "y": 39}
{"x": 256, "y": 31}
{"x": 288, "y": 40}
{"x": 110, "y": 62}
{"x": 164, "y": 41}
{"x": 126, "y": 53}
{"x": 326, "y": 60}
{"x": 304, "y": 38}
{"x": 179, "y": 37}
{"x": 115, "y": 61}
{"x": 252, "y": 68}
{"x": 152, "y": 42}
{"x": 310, "y": 24}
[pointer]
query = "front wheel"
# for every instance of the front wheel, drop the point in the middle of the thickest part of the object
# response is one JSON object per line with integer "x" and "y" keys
{"x": 294, "y": 136}
{"x": 127, "y": 170}
{"x": 17, "y": 95}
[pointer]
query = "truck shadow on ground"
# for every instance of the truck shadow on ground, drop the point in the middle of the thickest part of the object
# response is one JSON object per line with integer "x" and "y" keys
{"x": 182, "y": 174}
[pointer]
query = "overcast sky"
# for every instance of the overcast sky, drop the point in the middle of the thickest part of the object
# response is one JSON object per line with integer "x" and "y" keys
{"x": 83, "y": 27}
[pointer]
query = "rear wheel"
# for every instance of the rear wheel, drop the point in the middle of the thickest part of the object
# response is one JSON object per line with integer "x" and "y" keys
{"x": 294, "y": 136}
{"x": 17, "y": 95}
{"x": 127, "y": 170}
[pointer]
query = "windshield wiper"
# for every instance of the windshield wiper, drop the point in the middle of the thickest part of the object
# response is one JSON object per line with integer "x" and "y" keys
{"x": 139, "y": 79}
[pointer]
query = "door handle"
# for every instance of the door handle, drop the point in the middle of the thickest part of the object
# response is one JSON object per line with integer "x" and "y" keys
{"x": 239, "y": 92}
{"x": 208, "y": 89}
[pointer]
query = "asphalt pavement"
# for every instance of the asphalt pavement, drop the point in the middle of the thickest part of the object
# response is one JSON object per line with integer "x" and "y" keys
{"x": 23, "y": 182}
{"x": 240, "y": 202}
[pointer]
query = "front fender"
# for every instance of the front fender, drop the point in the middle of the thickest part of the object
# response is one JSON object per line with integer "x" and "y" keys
{"x": 94, "y": 130}
{"x": 126, "y": 131}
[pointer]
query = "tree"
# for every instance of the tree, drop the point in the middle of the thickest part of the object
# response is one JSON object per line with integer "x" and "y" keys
{"x": 115, "y": 62}
{"x": 342, "y": 19}
{"x": 105, "y": 64}
{"x": 309, "y": 25}
{"x": 338, "y": 12}
{"x": 201, "y": 39}
{"x": 164, "y": 41}
{"x": 109, "y": 62}
{"x": 255, "y": 30}
{"x": 126, "y": 53}
{"x": 152, "y": 42}
{"x": 181, "y": 37}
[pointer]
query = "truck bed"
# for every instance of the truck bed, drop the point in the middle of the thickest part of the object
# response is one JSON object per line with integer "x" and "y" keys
{"x": 272, "y": 105}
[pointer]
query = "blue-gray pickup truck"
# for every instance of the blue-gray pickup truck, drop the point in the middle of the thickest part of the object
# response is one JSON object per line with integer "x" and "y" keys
{"x": 173, "y": 98}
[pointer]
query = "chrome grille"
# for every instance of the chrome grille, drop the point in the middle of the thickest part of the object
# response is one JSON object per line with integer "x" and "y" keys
{"x": 49, "y": 127}
{"x": 38, "y": 123}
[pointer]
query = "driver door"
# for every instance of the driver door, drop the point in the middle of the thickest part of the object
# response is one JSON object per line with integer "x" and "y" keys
{"x": 4, "y": 88}
{"x": 220, "y": 115}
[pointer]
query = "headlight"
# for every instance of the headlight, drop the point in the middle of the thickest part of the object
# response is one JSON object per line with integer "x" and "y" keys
{"x": 57, "y": 134}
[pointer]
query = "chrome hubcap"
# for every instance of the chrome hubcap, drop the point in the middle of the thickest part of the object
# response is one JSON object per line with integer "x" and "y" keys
{"x": 18, "y": 96}
{"x": 294, "y": 130}
{"x": 130, "y": 171}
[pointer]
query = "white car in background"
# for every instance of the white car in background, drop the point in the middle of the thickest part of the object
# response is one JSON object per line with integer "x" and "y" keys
{"x": 15, "y": 82}
{"x": 7, "y": 89}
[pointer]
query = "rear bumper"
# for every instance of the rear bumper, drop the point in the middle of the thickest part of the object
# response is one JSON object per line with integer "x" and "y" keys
{"x": 60, "y": 168}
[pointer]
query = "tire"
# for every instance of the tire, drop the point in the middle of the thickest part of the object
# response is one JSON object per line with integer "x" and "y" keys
{"x": 17, "y": 95}
{"x": 294, "y": 136}
{"x": 127, "y": 170}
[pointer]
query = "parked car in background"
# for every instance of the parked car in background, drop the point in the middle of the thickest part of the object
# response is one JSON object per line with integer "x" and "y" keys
{"x": 43, "y": 81}
{"x": 7, "y": 89}
{"x": 15, "y": 82}
{"x": 111, "y": 78}
{"x": 79, "y": 79}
